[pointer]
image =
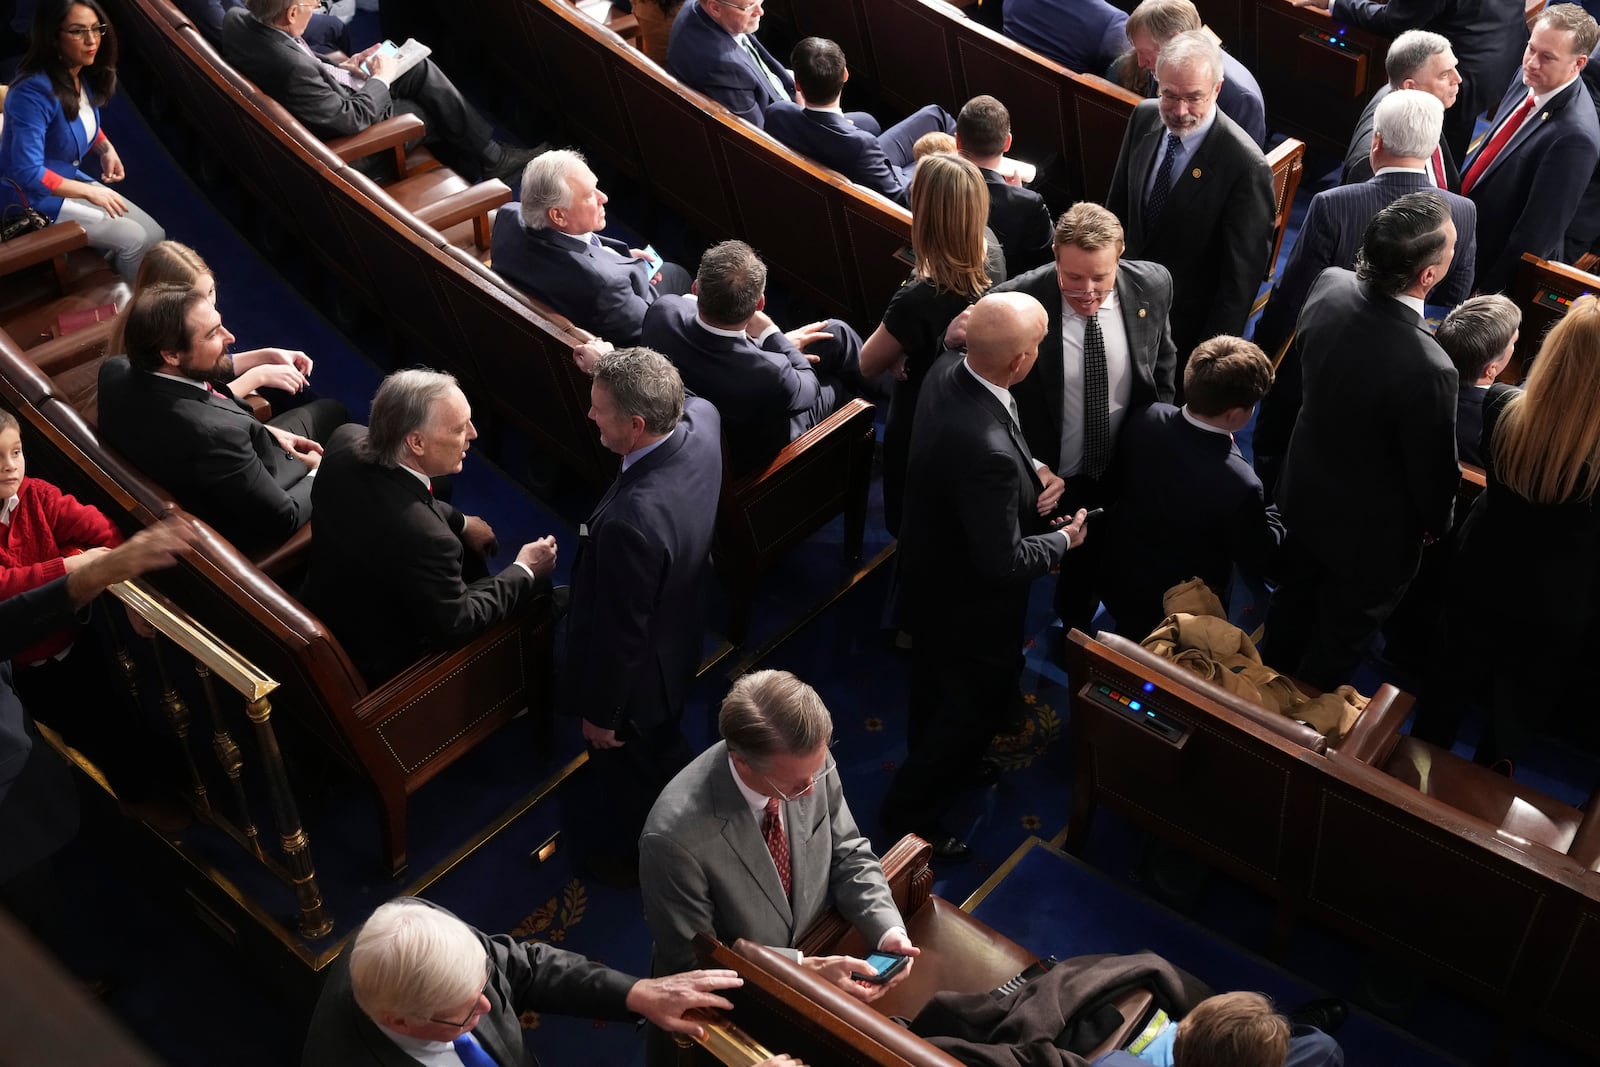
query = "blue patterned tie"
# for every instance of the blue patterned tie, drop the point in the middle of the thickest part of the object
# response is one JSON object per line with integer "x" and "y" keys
{"x": 472, "y": 1054}
{"x": 1163, "y": 186}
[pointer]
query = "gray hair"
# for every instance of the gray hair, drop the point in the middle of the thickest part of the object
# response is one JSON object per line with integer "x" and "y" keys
{"x": 269, "y": 10}
{"x": 1410, "y": 52}
{"x": 545, "y": 185}
{"x": 414, "y": 960}
{"x": 643, "y": 383}
{"x": 1409, "y": 121}
{"x": 402, "y": 405}
{"x": 1477, "y": 333}
{"x": 1191, "y": 46}
{"x": 773, "y": 713}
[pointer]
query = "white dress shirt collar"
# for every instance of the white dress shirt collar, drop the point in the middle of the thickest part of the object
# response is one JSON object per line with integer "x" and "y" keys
{"x": 756, "y": 801}
{"x": 1414, "y": 303}
{"x": 190, "y": 382}
{"x": 1400, "y": 170}
{"x": 718, "y": 330}
{"x": 1544, "y": 98}
{"x": 8, "y": 507}
{"x": 427, "y": 1053}
{"x": 1002, "y": 395}
{"x": 418, "y": 475}
{"x": 1199, "y": 424}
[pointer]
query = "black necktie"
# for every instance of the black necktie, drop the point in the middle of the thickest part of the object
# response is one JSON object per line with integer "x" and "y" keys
{"x": 1096, "y": 401}
{"x": 1163, "y": 186}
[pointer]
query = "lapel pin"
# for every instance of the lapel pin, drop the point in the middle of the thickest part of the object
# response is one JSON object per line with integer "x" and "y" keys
{"x": 1141, "y": 313}
{"x": 1195, "y": 173}
{"x": 1544, "y": 116}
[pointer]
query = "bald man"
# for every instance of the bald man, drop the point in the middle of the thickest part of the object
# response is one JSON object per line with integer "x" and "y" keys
{"x": 975, "y": 533}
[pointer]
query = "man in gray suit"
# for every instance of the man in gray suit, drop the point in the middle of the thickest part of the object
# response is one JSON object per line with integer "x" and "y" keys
{"x": 754, "y": 839}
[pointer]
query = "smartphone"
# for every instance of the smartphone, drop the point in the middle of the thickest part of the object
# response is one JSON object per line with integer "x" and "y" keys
{"x": 387, "y": 48}
{"x": 655, "y": 259}
{"x": 887, "y": 964}
{"x": 1094, "y": 513}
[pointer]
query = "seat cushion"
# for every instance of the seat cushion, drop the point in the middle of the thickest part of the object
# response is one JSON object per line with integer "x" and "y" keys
{"x": 1504, "y": 803}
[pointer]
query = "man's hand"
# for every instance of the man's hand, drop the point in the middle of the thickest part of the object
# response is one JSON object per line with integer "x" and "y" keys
{"x": 805, "y": 335}
{"x": 303, "y": 449}
{"x": 382, "y": 67}
{"x": 599, "y": 737}
{"x": 955, "y": 335}
{"x": 588, "y": 354}
{"x": 1074, "y": 530}
{"x": 837, "y": 970}
{"x": 72, "y": 563}
{"x": 665, "y": 1001}
{"x": 759, "y": 323}
{"x": 110, "y": 164}
{"x": 782, "y": 1061}
{"x": 150, "y": 549}
{"x": 478, "y": 536}
{"x": 538, "y": 556}
{"x": 1050, "y": 495}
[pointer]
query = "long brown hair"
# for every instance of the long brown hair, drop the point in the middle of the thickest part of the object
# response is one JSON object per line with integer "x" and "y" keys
{"x": 44, "y": 56}
{"x": 949, "y": 208}
{"x": 1547, "y": 442}
{"x": 167, "y": 261}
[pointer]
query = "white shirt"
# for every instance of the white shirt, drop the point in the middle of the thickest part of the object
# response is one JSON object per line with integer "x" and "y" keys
{"x": 427, "y": 1053}
{"x": 8, "y": 507}
{"x": 1414, "y": 303}
{"x": 1187, "y": 144}
{"x": 190, "y": 382}
{"x": 585, "y": 240}
{"x": 1119, "y": 377}
{"x": 720, "y": 332}
{"x": 1007, "y": 402}
{"x": 1194, "y": 421}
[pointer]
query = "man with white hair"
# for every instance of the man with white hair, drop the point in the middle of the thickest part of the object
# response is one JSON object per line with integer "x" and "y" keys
{"x": 1416, "y": 60}
{"x": 1194, "y": 194}
{"x": 419, "y": 986}
{"x": 1406, "y": 125}
{"x": 550, "y": 247}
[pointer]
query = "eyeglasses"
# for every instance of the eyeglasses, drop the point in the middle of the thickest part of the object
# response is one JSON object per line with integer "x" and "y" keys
{"x": 811, "y": 783}
{"x": 743, "y": 9}
{"x": 88, "y": 33}
{"x": 474, "y": 1013}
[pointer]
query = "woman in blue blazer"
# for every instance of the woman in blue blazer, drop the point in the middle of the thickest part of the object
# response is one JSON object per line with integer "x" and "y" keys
{"x": 52, "y": 127}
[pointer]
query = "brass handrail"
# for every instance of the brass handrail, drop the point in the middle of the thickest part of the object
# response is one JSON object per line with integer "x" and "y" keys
{"x": 236, "y": 671}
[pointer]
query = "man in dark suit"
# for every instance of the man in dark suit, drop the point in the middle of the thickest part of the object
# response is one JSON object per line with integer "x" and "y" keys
{"x": 714, "y": 50}
{"x": 265, "y": 42}
{"x": 1583, "y": 233}
{"x": 816, "y": 127}
{"x": 1370, "y": 474}
{"x": 1416, "y": 60}
{"x": 768, "y": 386}
{"x": 974, "y": 536}
{"x": 1486, "y": 35}
{"x": 1191, "y": 506}
{"x": 324, "y": 33}
{"x": 1081, "y": 35}
{"x": 1405, "y": 134}
{"x": 477, "y": 988}
{"x": 1107, "y": 351}
{"x": 249, "y": 480}
{"x": 1194, "y": 194}
{"x": 637, "y": 620}
{"x": 1017, "y": 214}
{"x": 1528, "y": 175}
{"x": 1479, "y": 337}
{"x": 1155, "y": 22}
{"x": 388, "y": 572}
{"x": 550, "y": 247}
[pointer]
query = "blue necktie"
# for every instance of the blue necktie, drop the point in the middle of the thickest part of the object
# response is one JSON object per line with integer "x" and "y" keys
{"x": 472, "y": 1054}
{"x": 1163, "y": 185}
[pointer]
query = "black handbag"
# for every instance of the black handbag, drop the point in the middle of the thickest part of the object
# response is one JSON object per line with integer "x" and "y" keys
{"x": 21, "y": 218}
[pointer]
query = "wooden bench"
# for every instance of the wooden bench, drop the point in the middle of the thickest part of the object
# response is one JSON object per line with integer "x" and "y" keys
{"x": 1544, "y": 290}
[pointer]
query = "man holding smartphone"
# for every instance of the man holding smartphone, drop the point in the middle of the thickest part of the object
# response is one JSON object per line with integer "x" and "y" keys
{"x": 754, "y": 839}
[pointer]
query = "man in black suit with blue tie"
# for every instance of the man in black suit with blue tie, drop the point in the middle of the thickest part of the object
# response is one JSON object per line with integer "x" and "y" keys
{"x": 974, "y": 536}
{"x": 1405, "y": 134}
{"x": 550, "y": 246}
{"x": 636, "y": 622}
{"x": 816, "y": 127}
{"x": 1530, "y": 172}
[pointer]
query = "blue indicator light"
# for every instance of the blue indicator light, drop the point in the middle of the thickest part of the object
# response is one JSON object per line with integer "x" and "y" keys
{"x": 1149, "y": 687}
{"x": 1134, "y": 704}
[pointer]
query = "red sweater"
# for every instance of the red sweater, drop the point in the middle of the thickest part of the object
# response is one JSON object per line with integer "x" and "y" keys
{"x": 46, "y": 525}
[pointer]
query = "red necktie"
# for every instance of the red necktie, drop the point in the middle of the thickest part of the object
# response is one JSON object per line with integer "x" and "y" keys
{"x": 1496, "y": 143}
{"x": 1438, "y": 169}
{"x": 777, "y": 842}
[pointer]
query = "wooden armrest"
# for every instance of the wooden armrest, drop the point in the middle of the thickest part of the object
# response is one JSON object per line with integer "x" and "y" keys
{"x": 905, "y": 868}
{"x": 61, "y": 354}
{"x": 277, "y": 562}
{"x": 41, "y": 246}
{"x": 1377, "y": 728}
{"x": 259, "y": 407}
{"x": 389, "y": 135}
{"x": 812, "y": 439}
{"x": 475, "y": 203}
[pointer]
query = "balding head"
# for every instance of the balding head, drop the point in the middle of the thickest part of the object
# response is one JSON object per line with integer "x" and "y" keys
{"x": 1003, "y": 335}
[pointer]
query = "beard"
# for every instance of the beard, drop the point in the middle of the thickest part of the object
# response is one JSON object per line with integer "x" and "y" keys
{"x": 219, "y": 373}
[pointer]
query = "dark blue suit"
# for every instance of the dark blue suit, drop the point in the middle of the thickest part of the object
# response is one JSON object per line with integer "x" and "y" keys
{"x": 767, "y": 394}
{"x": 324, "y": 33}
{"x": 1529, "y": 194}
{"x": 1331, "y": 236}
{"x": 1021, "y": 220}
{"x": 880, "y": 161}
{"x": 706, "y": 57}
{"x": 1082, "y": 35}
{"x": 591, "y": 286}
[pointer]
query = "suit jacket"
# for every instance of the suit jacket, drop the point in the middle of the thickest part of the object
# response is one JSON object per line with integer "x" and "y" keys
{"x": 529, "y": 976}
{"x": 1371, "y": 464}
{"x": 1529, "y": 194}
{"x": 592, "y": 287}
{"x": 1583, "y": 233}
{"x": 323, "y": 33}
{"x": 209, "y": 451}
{"x": 302, "y": 83}
{"x": 705, "y": 57}
{"x": 971, "y": 539}
{"x": 1144, "y": 293}
{"x": 834, "y": 141}
{"x": 1081, "y": 35}
{"x": 40, "y": 145}
{"x": 636, "y": 619}
{"x": 1020, "y": 218}
{"x": 1190, "y": 506}
{"x": 385, "y": 572}
{"x": 1331, "y": 236}
{"x": 704, "y": 867}
{"x": 1214, "y": 234}
{"x": 1358, "y": 156}
{"x": 766, "y": 394}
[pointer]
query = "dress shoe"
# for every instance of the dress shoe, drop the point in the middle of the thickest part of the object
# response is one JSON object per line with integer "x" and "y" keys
{"x": 950, "y": 848}
{"x": 1327, "y": 1015}
{"x": 512, "y": 160}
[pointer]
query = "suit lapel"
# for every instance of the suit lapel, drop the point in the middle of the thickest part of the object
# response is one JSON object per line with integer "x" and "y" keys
{"x": 1144, "y": 154}
{"x": 1192, "y": 183}
{"x": 1139, "y": 325}
{"x": 665, "y": 452}
{"x": 991, "y": 404}
{"x": 1048, "y": 293}
{"x": 808, "y": 851}
{"x": 740, "y": 831}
